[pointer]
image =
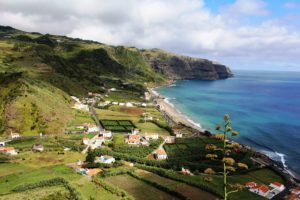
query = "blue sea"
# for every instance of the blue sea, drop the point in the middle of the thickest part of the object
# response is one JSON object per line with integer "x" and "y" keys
{"x": 264, "y": 107}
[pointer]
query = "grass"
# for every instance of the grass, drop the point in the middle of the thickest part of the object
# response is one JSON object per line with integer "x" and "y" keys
{"x": 59, "y": 192}
{"x": 137, "y": 188}
{"x": 86, "y": 188}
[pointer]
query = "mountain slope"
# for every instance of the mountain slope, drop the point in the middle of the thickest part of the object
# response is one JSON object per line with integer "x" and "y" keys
{"x": 39, "y": 72}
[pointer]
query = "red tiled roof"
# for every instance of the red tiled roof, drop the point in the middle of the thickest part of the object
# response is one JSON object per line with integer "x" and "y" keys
{"x": 134, "y": 137}
{"x": 277, "y": 184}
{"x": 250, "y": 184}
{"x": 263, "y": 188}
{"x": 160, "y": 152}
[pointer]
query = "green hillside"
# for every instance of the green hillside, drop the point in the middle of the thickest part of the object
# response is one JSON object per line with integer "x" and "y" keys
{"x": 39, "y": 73}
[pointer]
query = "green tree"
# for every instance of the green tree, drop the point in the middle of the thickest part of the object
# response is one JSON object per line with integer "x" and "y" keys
{"x": 91, "y": 155}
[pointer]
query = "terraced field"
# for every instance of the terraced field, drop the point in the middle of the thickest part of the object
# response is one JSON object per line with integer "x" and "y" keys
{"x": 139, "y": 189}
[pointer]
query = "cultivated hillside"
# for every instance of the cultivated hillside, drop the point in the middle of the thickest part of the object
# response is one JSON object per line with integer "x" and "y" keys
{"x": 39, "y": 72}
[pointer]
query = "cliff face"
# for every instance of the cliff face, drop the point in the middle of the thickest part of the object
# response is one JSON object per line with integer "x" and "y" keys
{"x": 183, "y": 67}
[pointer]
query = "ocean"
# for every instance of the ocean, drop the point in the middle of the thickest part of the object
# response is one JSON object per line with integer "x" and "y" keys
{"x": 264, "y": 108}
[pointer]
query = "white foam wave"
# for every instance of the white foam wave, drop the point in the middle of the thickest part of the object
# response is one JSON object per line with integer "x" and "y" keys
{"x": 172, "y": 85}
{"x": 276, "y": 156}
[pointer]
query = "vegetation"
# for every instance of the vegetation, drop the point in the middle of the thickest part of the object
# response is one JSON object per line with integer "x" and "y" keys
{"x": 118, "y": 125}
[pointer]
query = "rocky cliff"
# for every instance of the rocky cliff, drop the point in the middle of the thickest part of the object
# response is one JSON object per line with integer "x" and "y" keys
{"x": 183, "y": 67}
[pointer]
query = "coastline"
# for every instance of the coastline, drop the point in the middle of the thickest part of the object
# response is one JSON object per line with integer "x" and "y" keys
{"x": 179, "y": 118}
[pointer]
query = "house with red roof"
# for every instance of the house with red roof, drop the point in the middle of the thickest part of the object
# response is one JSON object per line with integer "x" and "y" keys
{"x": 250, "y": 185}
{"x": 8, "y": 150}
{"x": 261, "y": 190}
{"x": 160, "y": 154}
{"x": 133, "y": 139}
{"x": 278, "y": 186}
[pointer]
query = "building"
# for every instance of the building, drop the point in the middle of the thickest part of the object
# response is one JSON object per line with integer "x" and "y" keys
{"x": 135, "y": 131}
{"x": 160, "y": 154}
{"x": 91, "y": 128}
{"x": 144, "y": 105}
{"x": 278, "y": 186}
{"x": 133, "y": 139}
{"x": 85, "y": 141}
{"x": 128, "y": 104}
{"x": 2, "y": 143}
{"x": 178, "y": 134}
{"x": 170, "y": 139}
{"x": 105, "y": 159}
{"x": 261, "y": 190}
{"x": 8, "y": 150}
{"x": 38, "y": 147}
{"x": 250, "y": 185}
{"x": 147, "y": 96}
{"x": 81, "y": 106}
{"x": 153, "y": 136}
{"x": 106, "y": 133}
{"x": 98, "y": 142}
{"x": 148, "y": 118}
{"x": 14, "y": 135}
{"x": 121, "y": 104}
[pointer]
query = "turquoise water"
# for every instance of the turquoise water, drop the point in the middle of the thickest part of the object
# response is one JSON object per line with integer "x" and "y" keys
{"x": 264, "y": 108}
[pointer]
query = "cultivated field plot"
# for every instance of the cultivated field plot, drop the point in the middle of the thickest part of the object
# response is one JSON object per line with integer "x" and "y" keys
{"x": 191, "y": 152}
{"x": 118, "y": 125}
{"x": 188, "y": 191}
{"x": 139, "y": 189}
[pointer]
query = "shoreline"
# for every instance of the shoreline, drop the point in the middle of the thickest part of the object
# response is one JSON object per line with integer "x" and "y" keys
{"x": 173, "y": 113}
{"x": 179, "y": 118}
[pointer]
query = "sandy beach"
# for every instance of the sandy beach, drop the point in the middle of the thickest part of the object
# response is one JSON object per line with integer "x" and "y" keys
{"x": 172, "y": 112}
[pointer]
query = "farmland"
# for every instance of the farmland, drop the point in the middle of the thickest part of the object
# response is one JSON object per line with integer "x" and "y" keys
{"x": 118, "y": 125}
{"x": 138, "y": 189}
{"x": 191, "y": 152}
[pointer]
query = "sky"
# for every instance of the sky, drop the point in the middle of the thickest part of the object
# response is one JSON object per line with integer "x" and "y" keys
{"x": 243, "y": 34}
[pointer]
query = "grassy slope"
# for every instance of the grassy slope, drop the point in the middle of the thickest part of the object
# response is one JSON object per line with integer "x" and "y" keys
{"x": 51, "y": 71}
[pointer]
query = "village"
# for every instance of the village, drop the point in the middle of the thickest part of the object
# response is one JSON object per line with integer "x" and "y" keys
{"x": 142, "y": 135}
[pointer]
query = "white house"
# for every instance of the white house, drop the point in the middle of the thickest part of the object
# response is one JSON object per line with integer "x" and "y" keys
{"x": 106, "y": 159}
{"x": 38, "y": 147}
{"x": 170, "y": 139}
{"x": 106, "y": 133}
{"x": 92, "y": 128}
{"x": 261, "y": 190}
{"x": 144, "y": 105}
{"x": 85, "y": 141}
{"x": 115, "y": 103}
{"x": 121, "y": 104}
{"x": 147, "y": 96}
{"x": 178, "y": 134}
{"x": 2, "y": 143}
{"x": 8, "y": 150}
{"x": 153, "y": 136}
{"x": 278, "y": 186}
{"x": 135, "y": 131}
{"x": 80, "y": 106}
{"x": 160, "y": 154}
{"x": 148, "y": 118}
{"x": 14, "y": 135}
{"x": 128, "y": 104}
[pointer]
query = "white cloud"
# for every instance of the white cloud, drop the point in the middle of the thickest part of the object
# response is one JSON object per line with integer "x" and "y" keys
{"x": 247, "y": 7}
{"x": 181, "y": 26}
